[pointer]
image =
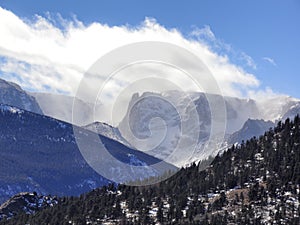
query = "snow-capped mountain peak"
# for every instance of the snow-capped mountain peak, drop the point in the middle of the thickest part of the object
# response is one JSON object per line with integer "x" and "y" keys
{"x": 244, "y": 118}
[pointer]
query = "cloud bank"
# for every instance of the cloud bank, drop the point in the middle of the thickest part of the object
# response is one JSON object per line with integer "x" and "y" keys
{"x": 42, "y": 55}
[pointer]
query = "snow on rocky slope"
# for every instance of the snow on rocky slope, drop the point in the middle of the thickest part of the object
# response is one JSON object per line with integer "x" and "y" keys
{"x": 157, "y": 125}
{"x": 107, "y": 131}
{"x": 25, "y": 202}
{"x": 13, "y": 94}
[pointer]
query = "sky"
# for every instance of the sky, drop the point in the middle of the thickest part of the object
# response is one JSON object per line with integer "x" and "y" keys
{"x": 253, "y": 47}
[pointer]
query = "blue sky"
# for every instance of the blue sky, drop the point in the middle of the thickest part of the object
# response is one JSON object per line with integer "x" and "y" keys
{"x": 267, "y": 31}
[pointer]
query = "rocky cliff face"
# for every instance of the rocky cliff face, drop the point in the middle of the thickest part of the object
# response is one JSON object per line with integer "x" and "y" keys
{"x": 13, "y": 94}
{"x": 155, "y": 121}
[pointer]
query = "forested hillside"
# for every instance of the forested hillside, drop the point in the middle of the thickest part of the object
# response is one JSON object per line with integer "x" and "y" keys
{"x": 256, "y": 182}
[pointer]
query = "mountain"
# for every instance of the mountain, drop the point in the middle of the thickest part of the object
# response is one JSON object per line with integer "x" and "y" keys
{"x": 168, "y": 131}
{"x": 257, "y": 182}
{"x": 13, "y": 94}
{"x": 107, "y": 131}
{"x": 39, "y": 153}
{"x": 238, "y": 110}
{"x": 275, "y": 108}
{"x": 160, "y": 123}
{"x": 60, "y": 107}
{"x": 294, "y": 110}
{"x": 250, "y": 129}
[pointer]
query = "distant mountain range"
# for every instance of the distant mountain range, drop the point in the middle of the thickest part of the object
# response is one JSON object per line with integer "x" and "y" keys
{"x": 244, "y": 118}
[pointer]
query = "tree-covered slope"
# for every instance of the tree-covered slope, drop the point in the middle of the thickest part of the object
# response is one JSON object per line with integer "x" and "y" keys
{"x": 254, "y": 183}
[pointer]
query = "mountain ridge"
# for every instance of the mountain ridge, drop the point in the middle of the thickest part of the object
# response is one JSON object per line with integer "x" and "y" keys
{"x": 12, "y": 94}
{"x": 238, "y": 112}
{"x": 39, "y": 153}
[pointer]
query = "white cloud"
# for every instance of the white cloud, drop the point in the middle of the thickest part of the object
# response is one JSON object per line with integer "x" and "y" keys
{"x": 249, "y": 61}
{"x": 39, "y": 55}
{"x": 263, "y": 94}
{"x": 205, "y": 33}
{"x": 270, "y": 60}
{"x": 206, "y": 36}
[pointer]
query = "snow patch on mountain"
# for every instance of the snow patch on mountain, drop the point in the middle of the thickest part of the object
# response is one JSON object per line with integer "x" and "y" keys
{"x": 10, "y": 109}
